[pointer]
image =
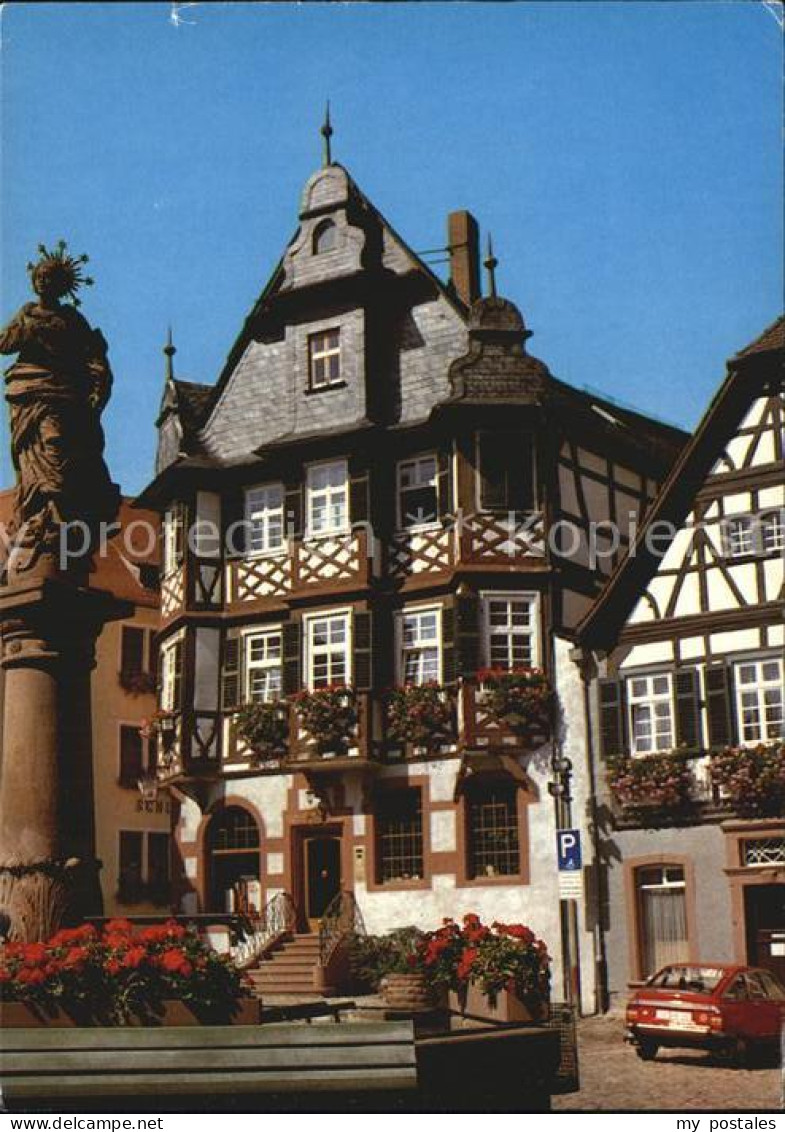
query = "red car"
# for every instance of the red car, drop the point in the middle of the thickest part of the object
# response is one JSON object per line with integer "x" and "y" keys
{"x": 716, "y": 1006}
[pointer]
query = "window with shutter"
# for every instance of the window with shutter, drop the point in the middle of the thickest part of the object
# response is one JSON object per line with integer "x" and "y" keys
{"x": 131, "y": 755}
{"x": 511, "y": 630}
{"x": 718, "y": 681}
{"x": 231, "y": 673}
{"x": 262, "y": 663}
{"x": 650, "y": 700}
{"x": 363, "y": 651}
{"x": 420, "y": 637}
{"x": 760, "y": 692}
{"x": 611, "y": 696}
{"x": 687, "y": 692}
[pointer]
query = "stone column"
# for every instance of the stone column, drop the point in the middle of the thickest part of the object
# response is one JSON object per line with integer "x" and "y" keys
{"x": 48, "y": 870}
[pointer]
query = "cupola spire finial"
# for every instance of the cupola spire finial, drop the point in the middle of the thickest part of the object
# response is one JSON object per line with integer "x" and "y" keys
{"x": 327, "y": 133}
{"x": 170, "y": 350}
{"x": 490, "y": 265}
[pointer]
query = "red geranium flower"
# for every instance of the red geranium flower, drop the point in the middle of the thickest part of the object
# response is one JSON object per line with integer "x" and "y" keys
{"x": 174, "y": 962}
{"x": 34, "y": 953}
{"x": 76, "y": 957}
{"x": 118, "y": 927}
{"x": 134, "y": 957}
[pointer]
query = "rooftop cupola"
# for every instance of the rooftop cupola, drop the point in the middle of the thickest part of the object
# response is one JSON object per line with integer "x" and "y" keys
{"x": 497, "y": 366}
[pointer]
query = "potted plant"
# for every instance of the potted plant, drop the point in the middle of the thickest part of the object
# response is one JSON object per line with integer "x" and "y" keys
{"x": 162, "y": 722}
{"x": 521, "y": 698}
{"x": 264, "y": 727}
{"x": 649, "y": 785}
{"x": 136, "y": 682}
{"x": 500, "y": 972}
{"x": 751, "y": 778}
{"x": 392, "y": 965}
{"x": 164, "y": 974}
{"x": 329, "y": 716}
{"x": 420, "y": 714}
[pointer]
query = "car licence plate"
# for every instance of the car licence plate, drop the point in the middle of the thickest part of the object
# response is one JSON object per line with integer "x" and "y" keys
{"x": 677, "y": 1019}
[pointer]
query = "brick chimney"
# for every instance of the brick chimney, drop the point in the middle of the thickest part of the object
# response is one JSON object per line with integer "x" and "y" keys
{"x": 463, "y": 238}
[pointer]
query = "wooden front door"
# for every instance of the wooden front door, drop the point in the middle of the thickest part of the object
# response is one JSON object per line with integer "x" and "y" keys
{"x": 322, "y": 867}
{"x": 764, "y": 911}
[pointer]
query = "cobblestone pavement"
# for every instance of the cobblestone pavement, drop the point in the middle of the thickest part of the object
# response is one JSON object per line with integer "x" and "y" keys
{"x": 614, "y": 1077}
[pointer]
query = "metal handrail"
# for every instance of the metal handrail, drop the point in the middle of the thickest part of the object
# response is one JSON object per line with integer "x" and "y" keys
{"x": 277, "y": 919}
{"x": 342, "y": 918}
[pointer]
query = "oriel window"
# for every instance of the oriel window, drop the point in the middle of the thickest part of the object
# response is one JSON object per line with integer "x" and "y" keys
{"x": 173, "y": 540}
{"x": 328, "y": 650}
{"x": 506, "y": 471}
{"x": 417, "y": 492}
{"x": 324, "y": 352}
{"x": 263, "y": 666}
{"x": 420, "y": 646}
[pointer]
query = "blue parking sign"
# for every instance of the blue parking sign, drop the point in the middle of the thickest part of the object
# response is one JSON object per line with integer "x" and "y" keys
{"x": 568, "y": 850}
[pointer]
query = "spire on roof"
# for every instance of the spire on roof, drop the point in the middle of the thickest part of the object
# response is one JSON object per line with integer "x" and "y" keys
{"x": 327, "y": 133}
{"x": 490, "y": 264}
{"x": 170, "y": 350}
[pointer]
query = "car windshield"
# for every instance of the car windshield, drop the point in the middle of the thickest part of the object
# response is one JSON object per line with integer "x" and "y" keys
{"x": 688, "y": 977}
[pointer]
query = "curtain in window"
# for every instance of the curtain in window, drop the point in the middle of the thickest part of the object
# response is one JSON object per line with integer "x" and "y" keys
{"x": 663, "y": 928}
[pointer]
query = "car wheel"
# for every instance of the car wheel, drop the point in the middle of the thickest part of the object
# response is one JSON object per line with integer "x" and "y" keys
{"x": 741, "y": 1053}
{"x": 646, "y": 1050}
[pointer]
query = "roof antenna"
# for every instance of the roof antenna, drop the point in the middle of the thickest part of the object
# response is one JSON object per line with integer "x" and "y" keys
{"x": 490, "y": 264}
{"x": 170, "y": 350}
{"x": 327, "y": 133}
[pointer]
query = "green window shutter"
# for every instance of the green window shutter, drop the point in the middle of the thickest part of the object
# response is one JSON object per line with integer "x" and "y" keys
{"x": 359, "y": 503}
{"x": 293, "y": 510}
{"x": 719, "y": 705}
{"x": 231, "y": 674}
{"x": 612, "y": 719}
{"x": 443, "y": 493}
{"x": 291, "y": 672}
{"x": 363, "y": 652}
{"x": 687, "y": 694}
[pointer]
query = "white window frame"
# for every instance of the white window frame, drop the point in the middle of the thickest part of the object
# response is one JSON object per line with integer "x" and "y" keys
{"x": 322, "y": 354}
{"x": 417, "y": 462}
{"x": 312, "y": 651}
{"x": 421, "y": 644}
{"x": 166, "y": 660}
{"x": 266, "y": 664}
{"x": 267, "y": 515}
{"x": 739, "y": 536}
{"x": 649, "y": 699}
{"x": 772, "y": 531}
{"x": 757, "y": 689}
{"x": 172, "y": 535}
{"x": 331, "y": 493}
{"x": 532, "y": 599}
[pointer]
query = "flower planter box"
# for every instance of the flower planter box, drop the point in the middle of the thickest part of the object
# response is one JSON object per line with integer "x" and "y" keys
{"x": 19, "y": 1015}
{"x": 407, "y": 992}
{"x": 507, "y": 1008}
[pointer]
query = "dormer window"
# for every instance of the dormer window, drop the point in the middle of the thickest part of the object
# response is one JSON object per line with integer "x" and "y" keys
{"x": 325, "y": 237}
{"x": 324, "y": 355}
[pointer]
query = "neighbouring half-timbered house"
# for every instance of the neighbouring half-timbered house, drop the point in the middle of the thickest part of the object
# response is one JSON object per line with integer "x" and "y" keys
{"x": 688, "y": 640}
{"x": 404, "y": 497}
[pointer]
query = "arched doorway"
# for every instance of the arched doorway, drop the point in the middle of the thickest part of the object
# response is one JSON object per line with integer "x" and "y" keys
{"x": 233, "y": 861}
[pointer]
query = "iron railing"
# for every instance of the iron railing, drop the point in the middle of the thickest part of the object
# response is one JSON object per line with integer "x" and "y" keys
{"x": 341, "y": 920}
{"x": 278, "y": 918}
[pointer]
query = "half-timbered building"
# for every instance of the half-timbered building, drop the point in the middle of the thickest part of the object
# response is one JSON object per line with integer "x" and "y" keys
{"x": 404, "y": 496}
{"x": 688, "y": 642}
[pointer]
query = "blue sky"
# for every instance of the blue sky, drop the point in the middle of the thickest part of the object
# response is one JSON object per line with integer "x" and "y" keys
{"x": 626, "y": 157}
